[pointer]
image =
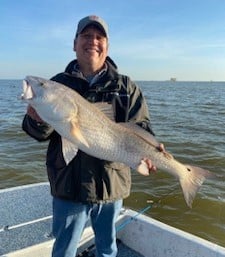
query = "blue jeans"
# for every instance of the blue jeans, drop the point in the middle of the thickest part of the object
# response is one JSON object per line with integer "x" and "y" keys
{"x": 70, "y": 218}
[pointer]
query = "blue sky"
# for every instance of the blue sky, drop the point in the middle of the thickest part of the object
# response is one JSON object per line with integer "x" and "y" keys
{"x": 149, "y": 39}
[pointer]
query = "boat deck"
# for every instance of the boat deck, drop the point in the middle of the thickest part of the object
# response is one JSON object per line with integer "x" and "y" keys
{"x": 25, "y": 224}
{"x": 123, "y": 251}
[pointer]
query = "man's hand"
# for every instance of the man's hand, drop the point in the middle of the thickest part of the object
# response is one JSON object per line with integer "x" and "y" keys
{"x": 150, "y": 166}
{"x": 146, "y": 167}
{"x": 33, "y": 114}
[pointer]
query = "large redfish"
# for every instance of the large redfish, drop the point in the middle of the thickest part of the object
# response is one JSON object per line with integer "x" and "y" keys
{"x": 88, "y": 127}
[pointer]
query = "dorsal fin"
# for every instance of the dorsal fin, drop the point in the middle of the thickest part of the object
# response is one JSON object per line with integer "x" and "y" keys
{"x": 141, "y": 133}
{"x": 145, "y": 135}
{"x": 105, "y": 108}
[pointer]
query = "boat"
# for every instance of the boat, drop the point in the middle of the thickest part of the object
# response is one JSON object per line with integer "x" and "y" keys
{"x": 25, "y": 230}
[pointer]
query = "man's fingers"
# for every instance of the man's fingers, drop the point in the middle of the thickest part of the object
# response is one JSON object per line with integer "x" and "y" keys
{"x": 151, "y": 167}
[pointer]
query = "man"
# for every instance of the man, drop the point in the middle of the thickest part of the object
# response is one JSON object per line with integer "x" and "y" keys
{"x": 88, "y": 187}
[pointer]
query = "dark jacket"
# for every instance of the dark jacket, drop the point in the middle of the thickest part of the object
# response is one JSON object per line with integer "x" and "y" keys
{"x": 86, "y": 178}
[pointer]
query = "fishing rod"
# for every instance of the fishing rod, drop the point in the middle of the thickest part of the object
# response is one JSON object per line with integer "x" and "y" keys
{"x": 143, "y": 210}
{"x": 128, "y": 221}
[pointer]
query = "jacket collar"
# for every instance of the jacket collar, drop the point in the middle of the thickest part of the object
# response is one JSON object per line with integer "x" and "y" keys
{"x": 109, "y": 73}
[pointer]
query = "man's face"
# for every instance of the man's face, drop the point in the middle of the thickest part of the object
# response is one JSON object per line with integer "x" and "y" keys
{"x": 91, "y": 48}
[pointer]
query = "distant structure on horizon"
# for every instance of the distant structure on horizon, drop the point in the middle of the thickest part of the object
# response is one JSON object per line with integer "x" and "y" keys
{"x": 173, "y": 79}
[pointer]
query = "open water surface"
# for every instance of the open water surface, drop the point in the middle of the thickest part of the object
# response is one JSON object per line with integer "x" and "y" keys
{"x": 188, "y": 117}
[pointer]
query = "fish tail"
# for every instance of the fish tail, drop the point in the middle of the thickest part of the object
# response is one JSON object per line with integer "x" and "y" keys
{"x": 192, "y": 181}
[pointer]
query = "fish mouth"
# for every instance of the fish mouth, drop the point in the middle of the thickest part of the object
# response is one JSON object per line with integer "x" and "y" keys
{"x": 28, "y": 92}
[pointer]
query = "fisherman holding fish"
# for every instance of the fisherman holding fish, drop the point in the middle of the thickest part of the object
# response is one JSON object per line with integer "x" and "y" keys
{"x": 84, "y": 186}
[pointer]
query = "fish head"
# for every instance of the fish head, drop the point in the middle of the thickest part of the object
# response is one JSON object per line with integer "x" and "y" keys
{"x": 33, "y": 88}
{"x": 50, "y": 99}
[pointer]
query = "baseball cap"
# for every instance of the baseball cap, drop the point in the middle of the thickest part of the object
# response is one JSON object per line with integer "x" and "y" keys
{"x": 92, "y": 20}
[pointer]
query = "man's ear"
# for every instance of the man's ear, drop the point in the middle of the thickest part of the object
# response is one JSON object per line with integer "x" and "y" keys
{"x": 74, "y": 45}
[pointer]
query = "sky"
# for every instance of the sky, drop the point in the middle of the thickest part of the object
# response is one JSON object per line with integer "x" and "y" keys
{"x": 149, "y": 39}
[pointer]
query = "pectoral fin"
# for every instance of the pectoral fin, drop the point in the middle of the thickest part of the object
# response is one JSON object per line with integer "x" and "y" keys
{"x": 69, "y": 150}
{"x": 75, "y": 131}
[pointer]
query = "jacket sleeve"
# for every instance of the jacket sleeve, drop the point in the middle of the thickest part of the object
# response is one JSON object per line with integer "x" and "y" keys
{"x": 138, "y": 111}
{"x": 39, "y": 131}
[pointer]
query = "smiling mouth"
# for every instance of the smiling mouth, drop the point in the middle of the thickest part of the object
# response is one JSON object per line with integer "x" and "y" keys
{"x": 92, "y": 50}
{"x": 27, "y": 91}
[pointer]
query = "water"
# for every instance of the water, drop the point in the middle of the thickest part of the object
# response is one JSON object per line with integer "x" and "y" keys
{"x": 188, "y": 117}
